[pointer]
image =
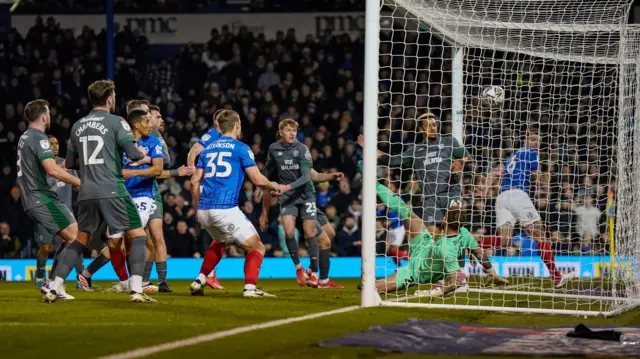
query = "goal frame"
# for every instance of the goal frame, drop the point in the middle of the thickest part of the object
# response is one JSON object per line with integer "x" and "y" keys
{"x": 369, "y": 295}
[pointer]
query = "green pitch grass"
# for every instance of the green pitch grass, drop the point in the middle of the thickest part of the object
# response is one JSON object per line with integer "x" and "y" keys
{"x": 97, "y": 324}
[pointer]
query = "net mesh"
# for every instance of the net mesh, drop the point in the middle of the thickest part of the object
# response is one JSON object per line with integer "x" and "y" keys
{"x": 570, "y": 72}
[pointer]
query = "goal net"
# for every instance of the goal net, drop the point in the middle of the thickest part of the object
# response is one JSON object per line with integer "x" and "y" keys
{"x": 570, "y": 71}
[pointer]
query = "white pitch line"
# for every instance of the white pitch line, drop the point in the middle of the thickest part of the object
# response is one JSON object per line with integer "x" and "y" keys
{"x": 142, "y": 352}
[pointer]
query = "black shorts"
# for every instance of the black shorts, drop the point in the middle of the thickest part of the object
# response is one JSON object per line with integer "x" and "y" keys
{"x": 119, "y": 213}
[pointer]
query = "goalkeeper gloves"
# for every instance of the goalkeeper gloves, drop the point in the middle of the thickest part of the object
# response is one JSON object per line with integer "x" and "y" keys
{"x": 493, "y": 279}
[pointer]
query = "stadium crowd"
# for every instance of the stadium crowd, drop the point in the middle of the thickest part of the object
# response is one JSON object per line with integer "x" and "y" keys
{"x": 319, "y": 83}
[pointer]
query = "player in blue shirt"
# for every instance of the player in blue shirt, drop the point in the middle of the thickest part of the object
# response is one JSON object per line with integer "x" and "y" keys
{"x": 216, "y": 186}
{"x": 513, "y": 204}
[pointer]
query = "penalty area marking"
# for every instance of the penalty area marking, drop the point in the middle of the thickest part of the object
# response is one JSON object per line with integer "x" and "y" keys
{"x": 142, "y": 352}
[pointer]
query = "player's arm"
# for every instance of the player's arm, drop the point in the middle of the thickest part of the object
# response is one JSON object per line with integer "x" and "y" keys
{"x": 264, "y": 214}
{"x": 461, "y": 156}
{"x": 325, "y": 177}
{"x": 72, "y": 161}
{"x": 194, "y": 152}
{"x": 59, "y": 173}
{"x": 195, "y": 185}
{"x": 126, "y": 141}
{"x": 152, "y": 171}
{"x": 181, "y": 171}
{"x": 260, "y": 180}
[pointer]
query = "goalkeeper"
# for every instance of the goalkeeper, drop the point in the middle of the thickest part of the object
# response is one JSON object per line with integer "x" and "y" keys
{"x": 429, "y": 260}
{"x": 464, "y": 240}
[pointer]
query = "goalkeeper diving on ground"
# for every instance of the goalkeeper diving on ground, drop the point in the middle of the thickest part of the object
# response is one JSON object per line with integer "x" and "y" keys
{"x": 433, "y": 257}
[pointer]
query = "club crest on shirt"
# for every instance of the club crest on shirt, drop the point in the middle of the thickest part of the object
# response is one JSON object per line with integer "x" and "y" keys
{"x": 296, "y": 153}
{"x": 279, "y": 153}
{"x": 125, "y": 125}
{"x": 45, "y": 144}
{"x": 307, "y": 155}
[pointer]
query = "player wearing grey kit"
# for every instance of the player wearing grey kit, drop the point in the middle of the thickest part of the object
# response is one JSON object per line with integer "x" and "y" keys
{"x": 291, "y": 161}
{"x": 95, "y": 148}
{"x": 40, "y": 202}
{"x": 434, "y": 163}
{"x": 45, "y": 238}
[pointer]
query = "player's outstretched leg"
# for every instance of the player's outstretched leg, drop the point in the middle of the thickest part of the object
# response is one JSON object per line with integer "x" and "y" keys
{"x": 324, "y": 242}
{"x": 41, "y": 263}
{"x": 67, "y": 261}
{"x": 84, "y": 277}
{"x": 252, "y": 262}
{"x": 150, "y": 257}
{"x": 289, "y": 224}
{"x": 311, "y": 236}
{"x": 537, "y": 231}
{"x": 211, "y": 259}
{"x": 157, "y": 236}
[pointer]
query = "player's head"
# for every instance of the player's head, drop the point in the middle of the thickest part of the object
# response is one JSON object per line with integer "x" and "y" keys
{"x": 137, "y": 105}
{"x": 55, "y": 145}
{"x": 156, "y": 116}
{"x": 140, "y": 122}
{"x": 533, "y": 140}
{"x": 216, "y": 125}
{"x": 229, "y": 122}
{"x": 37, "y": 111}
{"x": 288, "y": 130}
{"x": 454, "y": 218}
{"x": 102, "y": 93}
{"x": 428, "y": 125}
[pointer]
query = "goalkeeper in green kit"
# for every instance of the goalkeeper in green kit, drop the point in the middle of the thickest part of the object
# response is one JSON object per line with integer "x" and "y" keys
{"x": 430, "y": 261}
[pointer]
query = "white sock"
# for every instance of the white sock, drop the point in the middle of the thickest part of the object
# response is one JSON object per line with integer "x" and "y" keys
{"x": 314, "y": 274}
{"x": 56, "y": 284}
{"x": 202, "y": 278}
{"x": 250, "y": 287}
{"x": 136, "y": 283}
{"x": 299, "y": 266}
{"x": 125, "y": 283}
{"x": 213, "y": 273}
{"x": 324, "y": 280}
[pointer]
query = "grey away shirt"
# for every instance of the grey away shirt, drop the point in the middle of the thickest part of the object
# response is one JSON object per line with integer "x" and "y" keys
{"x": 165, "y": 150}
{"x": 33, "y": 148}
{"x": 97, "y": 141}
{"x": 64, "y": 190}
{"x": 431, "y": 164}
{"x": 286, "y": 161}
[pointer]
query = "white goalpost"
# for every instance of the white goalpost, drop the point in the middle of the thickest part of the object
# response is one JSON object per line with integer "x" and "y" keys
{"x": 570, "y": 71}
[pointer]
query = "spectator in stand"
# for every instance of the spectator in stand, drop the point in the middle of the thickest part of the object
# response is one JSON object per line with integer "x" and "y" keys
{"x": 588, "y": 223}
{"x": 181, "y": 243}
{"x": 348, "y": 239}
{"x": 9, "y": 245}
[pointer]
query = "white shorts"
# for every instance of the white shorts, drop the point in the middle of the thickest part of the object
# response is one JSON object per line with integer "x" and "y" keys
{"x": 145, "y": 207}
{"x": 514, "y": 206}
{"x": 396, "y": 236}
{"x": 227, "y": 225}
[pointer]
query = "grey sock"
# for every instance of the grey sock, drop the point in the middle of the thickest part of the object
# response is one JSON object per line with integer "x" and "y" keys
{"x": 97, "y": 263}
{"x": 41, "y": 266}
{"x": 68, "y": 259}
{"x": 80, "y": 263}
{"x": 312, "y": 247}
{"x": 56, "y": 259}
{"x": 292, "y": 246}
{"x": 325, "y": 263}
{"x": 161, "y": 268}
{"x": 148, "y": 265}
{"x": 137, "y": 256}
